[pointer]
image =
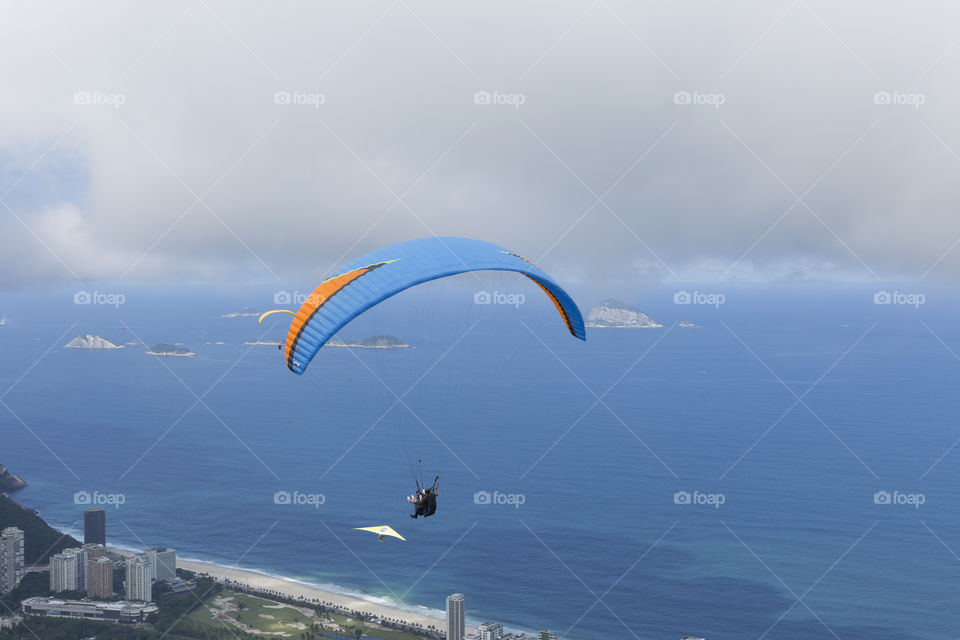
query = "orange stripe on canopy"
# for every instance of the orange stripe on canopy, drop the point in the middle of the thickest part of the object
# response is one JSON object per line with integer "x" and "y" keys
{"x": 327, "y": 289}
{"x": 556, "y": 303}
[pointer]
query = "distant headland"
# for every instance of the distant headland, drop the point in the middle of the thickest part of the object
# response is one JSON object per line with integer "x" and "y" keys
{"x": 10, "y": 482}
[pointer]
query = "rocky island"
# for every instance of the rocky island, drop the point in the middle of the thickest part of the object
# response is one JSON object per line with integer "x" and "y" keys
{"x": 9, "y": 482}
{"x": 262, "y": 343}
{"x": 613, "y": 314}
{"x": 166, "y": 349}
{"x": 90, "y": 341}
{"x": 373, "y": 342}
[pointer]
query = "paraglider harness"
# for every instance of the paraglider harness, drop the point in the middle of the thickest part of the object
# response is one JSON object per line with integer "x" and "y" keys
{"x": 425, "y": 498}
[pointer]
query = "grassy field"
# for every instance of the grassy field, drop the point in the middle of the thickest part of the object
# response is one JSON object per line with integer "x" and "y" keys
{"x": 202, "y": 618}
{"x": 263, "y": 616}
{"x": 257, "y": 614}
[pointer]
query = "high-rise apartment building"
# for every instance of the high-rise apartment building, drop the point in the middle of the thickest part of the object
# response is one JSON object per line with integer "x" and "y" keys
{"x": 63, "y": 572}
{"x": 139, "y": 584}
{"x": 455, "y": 617}
{"x": 95, "y": 526}
{"x": 11, "y": 558}
{"x": 100, "y": 577}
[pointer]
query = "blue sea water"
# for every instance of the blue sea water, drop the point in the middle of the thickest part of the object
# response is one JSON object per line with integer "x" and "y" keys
{"x": 793, "y": 407}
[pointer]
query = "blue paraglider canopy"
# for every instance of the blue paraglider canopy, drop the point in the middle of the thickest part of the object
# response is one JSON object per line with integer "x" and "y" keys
{"x": 376, "y": 276}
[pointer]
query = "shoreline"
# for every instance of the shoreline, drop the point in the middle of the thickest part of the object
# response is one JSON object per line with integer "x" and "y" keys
{"x": 334, "y": 596}
{"x": 294, "y": 589}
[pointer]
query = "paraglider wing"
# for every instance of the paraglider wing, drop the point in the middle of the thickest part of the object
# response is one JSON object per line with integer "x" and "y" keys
{"x": 380, "y": 274}
{"x": 270, "y": 313}
{"x": 382, "y": 530}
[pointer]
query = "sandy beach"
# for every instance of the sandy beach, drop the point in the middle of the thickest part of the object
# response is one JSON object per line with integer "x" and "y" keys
{"x": 292, "y": 589}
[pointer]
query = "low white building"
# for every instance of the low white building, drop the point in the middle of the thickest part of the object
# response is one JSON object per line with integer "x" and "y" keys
{"x": 123, "y": 612}
{"x": 489, "y": 631}
{"x": 10, "y": 622}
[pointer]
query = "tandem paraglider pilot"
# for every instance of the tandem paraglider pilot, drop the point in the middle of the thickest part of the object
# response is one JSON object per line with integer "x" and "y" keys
{"x": 425, "y": 501}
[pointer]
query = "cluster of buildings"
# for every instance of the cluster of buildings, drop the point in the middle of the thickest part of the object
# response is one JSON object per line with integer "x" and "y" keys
{"x": 11, "y": 558}
{"x": 456, "y": 628}
{"x": 88, "y": 568}
{"x": 494, "y": 631}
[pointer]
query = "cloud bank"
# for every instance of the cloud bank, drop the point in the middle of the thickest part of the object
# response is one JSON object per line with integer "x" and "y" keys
{"x": 609, "y": 141}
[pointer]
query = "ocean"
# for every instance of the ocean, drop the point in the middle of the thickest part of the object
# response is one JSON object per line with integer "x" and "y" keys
{"x": 785, "y": 469}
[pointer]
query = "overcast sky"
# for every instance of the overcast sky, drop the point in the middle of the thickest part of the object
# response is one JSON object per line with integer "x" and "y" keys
{"x": 609, "y": 141}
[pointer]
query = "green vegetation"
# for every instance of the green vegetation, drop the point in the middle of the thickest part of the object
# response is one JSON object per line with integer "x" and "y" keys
{"x": 40, "y": 539}
{"x": 303, "y": 621}
{"x": 174, "y": 606}
{"x": 265, "y": 615}
{"x": 36, "y": 628}
{"x": 209, "y": 612}
{"x": 351, "y": 626}
{"x": 41, "y": 628}
{"x": 32, "y": 585}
